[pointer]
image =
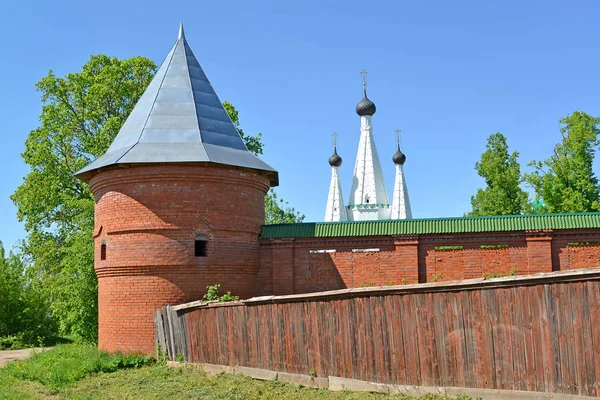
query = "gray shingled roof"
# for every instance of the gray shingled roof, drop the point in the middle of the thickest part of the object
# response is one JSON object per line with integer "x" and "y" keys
{"x": 179, "y": 119}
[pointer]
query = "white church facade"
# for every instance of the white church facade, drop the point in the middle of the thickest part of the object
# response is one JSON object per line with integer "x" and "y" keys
{"x": 368, "y": 199}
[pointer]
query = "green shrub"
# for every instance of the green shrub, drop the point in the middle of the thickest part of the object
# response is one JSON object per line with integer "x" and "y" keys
{"x": 25, "y": 317}
{"x": 65, "y": 364}
{"x": 212, "y": 294}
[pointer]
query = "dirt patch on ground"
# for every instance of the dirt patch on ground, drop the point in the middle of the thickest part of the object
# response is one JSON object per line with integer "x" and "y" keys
{"x": 7, "y": 356}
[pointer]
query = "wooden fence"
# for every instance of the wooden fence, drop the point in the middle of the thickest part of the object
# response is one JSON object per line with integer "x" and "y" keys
{"x": 535, "y": 333}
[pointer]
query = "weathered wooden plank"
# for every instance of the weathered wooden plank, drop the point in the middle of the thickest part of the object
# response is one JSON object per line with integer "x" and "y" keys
{"x": 517, "y": 328}
{"x": 469, "y": 338}
{"x": 529, "y": 378}
{"x": 591, "y": 388}
{"x": 423, "y": 342}
{"x": 411, "y": 333}
{"x": 593, "y": 289}
{"x": 564, "y": 324}
{"x": 446, "y": 361}
{"x": 578, "y": 353}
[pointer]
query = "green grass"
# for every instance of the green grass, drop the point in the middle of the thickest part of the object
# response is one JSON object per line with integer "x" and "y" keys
{"x": 66, "y": 364}
{"x": 84, "y": 373}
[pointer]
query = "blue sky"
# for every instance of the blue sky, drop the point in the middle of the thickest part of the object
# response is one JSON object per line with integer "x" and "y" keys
{"x": 448, "y": 73}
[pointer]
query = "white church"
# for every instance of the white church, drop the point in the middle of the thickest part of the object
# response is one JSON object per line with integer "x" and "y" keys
{"x": 368, "y": 196}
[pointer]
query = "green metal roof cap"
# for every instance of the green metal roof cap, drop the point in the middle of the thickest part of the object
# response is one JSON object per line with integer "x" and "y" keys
{"x": 434, "y": 225}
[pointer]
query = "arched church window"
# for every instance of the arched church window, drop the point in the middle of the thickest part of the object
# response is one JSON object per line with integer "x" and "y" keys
{"x": 201, "y": 246}
{"x": 367, "y": 199}
{"x": 103, "y": 251}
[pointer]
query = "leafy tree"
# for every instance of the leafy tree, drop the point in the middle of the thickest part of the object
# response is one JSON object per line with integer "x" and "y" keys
{"x": 565, "y": 182}
{"x": 502, "y": 173}
{"x": 25, "y": 317}
{"x": 81, "y": 114}
{"x": 277, "y": 211}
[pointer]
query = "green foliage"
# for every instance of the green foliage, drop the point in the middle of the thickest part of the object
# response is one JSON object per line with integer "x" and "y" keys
{"x": 502, "y": 174}
{"x": 81, "y": 114}
{"x": 493, "y": 246}
{"x": 448, "y": 248}
{"x": 66, "y": 364}
{"x": 566, "y": 181}
{"x": 592, "y": 243}
{"x": 493, "y": 275}
{"x": 212, "y": 294}
{"x": 277, "y": 211}
{"x": 25, "y": 317}
{"x": 438, "y": 277}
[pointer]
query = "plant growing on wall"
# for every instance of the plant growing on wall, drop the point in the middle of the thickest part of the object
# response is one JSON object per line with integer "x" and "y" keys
{"x": 212, "y": 294}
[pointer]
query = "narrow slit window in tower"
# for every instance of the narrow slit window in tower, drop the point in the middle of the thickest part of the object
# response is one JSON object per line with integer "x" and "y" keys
{"x": 103, "y": 251}
{"x": 200, "y": 246}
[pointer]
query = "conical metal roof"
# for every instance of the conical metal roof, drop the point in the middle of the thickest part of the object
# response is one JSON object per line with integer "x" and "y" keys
{"x": 179, "y": 119}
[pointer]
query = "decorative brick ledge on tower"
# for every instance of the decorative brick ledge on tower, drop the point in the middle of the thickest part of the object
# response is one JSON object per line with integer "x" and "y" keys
{"x": 330, "y": 256}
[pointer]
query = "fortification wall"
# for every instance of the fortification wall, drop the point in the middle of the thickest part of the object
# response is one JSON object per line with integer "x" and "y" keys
{"x": 305, "y": 265}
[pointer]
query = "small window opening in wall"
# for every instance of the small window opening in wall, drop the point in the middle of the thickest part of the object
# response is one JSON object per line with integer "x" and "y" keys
{"x": 367, "y": 200}
{"x": 103, "y": 251}
{"x": 201, "y": 246}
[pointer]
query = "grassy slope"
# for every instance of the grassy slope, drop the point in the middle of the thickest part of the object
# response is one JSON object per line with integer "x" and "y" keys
{"x": 76, "y": 372}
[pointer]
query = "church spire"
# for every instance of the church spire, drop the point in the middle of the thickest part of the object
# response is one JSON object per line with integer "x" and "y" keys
{"x": 368, "y": 196}
{"x": 400, "y": 201}
{"x": 335, "y": 210}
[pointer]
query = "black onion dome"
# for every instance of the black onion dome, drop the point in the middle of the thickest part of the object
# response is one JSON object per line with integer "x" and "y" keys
{"x": 365, "y": 106}
{"x": 335, "y": 160}
{"x": 399, "y": 157}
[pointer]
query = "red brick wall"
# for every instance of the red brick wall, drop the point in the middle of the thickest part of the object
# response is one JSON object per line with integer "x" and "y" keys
{"x": 320, "y": 264}
{"x": 148, "y": 217}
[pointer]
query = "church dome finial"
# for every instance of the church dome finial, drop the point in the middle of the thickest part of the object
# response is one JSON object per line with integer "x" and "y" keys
{"x": 181, "y": 32}
{"x": 399, "y": 158}
{"x": 365, "y": 106}
{"x": 335, "y": 160}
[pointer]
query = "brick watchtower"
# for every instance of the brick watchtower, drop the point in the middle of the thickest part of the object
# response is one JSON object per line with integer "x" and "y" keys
{"x": 179, "y": 205}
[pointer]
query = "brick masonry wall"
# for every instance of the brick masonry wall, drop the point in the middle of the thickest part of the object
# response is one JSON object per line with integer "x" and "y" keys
{"x": 304, "y": 265}
{"x": 148, "y": 218}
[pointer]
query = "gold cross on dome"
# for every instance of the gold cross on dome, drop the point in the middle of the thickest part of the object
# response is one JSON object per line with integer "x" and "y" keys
{"x": 364, "y": 75}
